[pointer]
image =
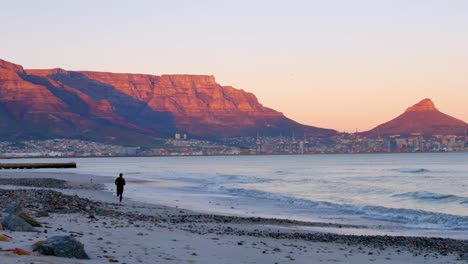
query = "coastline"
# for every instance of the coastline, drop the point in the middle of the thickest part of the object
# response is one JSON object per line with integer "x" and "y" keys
{"x": 134, "y": 232}
{"x": 226, "y": 155}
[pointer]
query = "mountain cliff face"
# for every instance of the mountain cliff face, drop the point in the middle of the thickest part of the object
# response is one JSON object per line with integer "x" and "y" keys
{"x": 130, "y": 107}
{"x": 423, "y": 118}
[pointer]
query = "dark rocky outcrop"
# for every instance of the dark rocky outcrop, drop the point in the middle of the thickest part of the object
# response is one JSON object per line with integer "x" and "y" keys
{"x": 62, "y": 246}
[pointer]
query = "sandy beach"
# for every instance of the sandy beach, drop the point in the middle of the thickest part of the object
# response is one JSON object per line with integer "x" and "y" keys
{"x": 133, "y": 232}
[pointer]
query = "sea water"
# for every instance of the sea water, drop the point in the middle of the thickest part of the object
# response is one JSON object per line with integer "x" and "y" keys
{"x": 424, "y": 194}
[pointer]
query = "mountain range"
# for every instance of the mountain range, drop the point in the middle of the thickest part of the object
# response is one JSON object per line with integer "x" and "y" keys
{"x": 131, "y": 108}
{"x": 138, "y": 109}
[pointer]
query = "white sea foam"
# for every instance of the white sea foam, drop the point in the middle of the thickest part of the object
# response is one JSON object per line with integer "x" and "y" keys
{"x": 406, "y": 217}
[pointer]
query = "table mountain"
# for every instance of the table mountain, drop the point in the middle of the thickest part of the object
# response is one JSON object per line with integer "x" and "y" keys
{"x": 134, "y": 108}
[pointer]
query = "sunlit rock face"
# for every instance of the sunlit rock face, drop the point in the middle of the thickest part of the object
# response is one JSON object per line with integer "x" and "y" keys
{"x": 423, "y": 118}
{"x": 131, "y": 107}
{"x": 424, "y": 105}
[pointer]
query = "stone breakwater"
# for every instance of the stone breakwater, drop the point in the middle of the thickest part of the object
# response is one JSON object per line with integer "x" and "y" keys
{"x": 41, "y": 202}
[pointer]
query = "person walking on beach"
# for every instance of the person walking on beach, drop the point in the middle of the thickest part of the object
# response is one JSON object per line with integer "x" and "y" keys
{"x": 120, "y": 182}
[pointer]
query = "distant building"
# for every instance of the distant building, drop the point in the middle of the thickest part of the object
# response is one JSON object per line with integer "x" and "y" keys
{"x": 392, "y": 145}
{"x": 293, "y": 145}
{"x": 466, "y": 140}
{"x": 129, "y": 151}
{"x": 258, "y": 145}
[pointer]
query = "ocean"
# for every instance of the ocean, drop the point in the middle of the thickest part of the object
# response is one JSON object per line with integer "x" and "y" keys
{"x": 423, "y": 194}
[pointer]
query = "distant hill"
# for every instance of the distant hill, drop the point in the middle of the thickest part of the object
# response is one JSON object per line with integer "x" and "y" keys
{"x": 423, "y": 118}
{"x": 130, "y": 108}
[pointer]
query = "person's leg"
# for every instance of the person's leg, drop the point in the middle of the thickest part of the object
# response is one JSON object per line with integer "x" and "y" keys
{"x": 120, "y": 192}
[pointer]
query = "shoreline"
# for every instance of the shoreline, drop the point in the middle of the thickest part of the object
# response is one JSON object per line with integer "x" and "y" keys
{"x": 227, "y": 155}
{"x": 340, "y": 227}
{"x": 213, "y": 230}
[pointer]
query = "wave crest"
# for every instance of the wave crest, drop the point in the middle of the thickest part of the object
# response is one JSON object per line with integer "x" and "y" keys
{"x": 411, "y": 170}
{"x": 431, "y": 196}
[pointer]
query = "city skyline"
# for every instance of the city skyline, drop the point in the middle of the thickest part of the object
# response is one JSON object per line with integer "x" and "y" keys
{"x": 334, "y": 65}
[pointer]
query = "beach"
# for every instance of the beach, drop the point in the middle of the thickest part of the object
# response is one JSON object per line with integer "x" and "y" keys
{"x": 135, "y": 232}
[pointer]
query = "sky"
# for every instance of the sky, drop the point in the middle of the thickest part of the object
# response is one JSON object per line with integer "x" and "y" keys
{"x": 340, "y": 64}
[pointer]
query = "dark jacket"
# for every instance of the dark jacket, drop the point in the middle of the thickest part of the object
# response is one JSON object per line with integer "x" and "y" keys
{"x": 120, "y": 182}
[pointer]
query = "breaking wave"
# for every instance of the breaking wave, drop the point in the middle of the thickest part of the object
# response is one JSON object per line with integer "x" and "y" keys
{"x": 408, "y": 217}
{"x": 430, "y": 196}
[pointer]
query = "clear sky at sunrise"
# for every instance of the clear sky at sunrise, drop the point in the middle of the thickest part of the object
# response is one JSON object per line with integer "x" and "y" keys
{"x": 335, "y": 64}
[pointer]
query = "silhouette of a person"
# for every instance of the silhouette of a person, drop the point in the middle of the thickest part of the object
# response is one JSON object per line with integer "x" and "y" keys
{"x": 120, "y": 182}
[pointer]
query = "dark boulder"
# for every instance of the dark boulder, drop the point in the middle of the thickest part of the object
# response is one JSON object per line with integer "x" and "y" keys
{"x": 62, "y": 246}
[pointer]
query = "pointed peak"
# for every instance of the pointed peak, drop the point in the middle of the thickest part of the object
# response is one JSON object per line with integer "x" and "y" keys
{"x": 10, "y": 66}
{"x": 424, "y": 105}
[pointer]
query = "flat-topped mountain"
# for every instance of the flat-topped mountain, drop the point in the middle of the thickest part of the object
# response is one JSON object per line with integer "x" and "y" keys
{"x": 423, "y": 118}
{"x": 130, "y": 107}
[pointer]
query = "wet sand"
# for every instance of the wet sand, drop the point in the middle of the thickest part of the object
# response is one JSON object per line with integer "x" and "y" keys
{"x": 133, "y": 232}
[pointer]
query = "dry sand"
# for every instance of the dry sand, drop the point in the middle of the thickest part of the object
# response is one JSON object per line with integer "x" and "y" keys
{"x": 123, "y": 239}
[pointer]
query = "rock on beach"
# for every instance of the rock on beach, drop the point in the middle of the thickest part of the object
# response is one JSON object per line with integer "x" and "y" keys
{"x": 62, "y": 246}
{"x": 17, "y": 224}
